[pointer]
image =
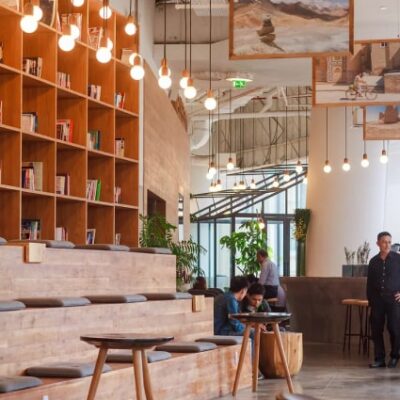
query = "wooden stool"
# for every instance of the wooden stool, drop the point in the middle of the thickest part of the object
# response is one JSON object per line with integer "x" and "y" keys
{"x": 138, "y": 343}
{"x": 256, "y": 320}
{"x": 365, "y": 321}
{"x": 348, "y": 333}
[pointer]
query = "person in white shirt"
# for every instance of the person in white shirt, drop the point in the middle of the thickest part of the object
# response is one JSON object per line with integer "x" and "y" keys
{"x": 269, "y": 276}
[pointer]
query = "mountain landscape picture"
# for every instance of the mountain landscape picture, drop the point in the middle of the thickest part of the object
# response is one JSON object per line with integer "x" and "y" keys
{"x": 287, "y": 28}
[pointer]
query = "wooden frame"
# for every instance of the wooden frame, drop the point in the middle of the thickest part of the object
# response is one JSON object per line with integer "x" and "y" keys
{"x": 234, "y": 56}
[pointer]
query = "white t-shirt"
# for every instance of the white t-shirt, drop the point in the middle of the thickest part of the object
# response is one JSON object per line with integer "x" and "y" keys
{"x": 269, "y": 273}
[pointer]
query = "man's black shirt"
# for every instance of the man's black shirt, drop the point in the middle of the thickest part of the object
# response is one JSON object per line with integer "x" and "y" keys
{"x": 383, "y": 277}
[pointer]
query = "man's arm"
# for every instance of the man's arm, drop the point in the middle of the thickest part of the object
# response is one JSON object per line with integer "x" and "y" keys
{"x": 263, "y": 275}
{"x": 233, "y": 308}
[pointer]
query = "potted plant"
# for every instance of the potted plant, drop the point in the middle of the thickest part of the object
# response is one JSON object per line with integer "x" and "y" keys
{"x": 301, "y": 221}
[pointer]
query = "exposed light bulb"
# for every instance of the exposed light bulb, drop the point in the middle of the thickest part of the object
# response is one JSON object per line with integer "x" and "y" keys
{"x": 130, "y": 27}
{"x": 230, "y": 166}
{"x": 365, "y": 161}
{"x": 327, "y": 167}
{"x": 78, "y": 3}
{"x": 305, "y": 180}
{"x": 235, "y": 186}
{"x": 164, "y": 70}
{"x": 75, "y": 32}
{"x": 275, "y": 183}
{"x": 184, "y": 79}
{"x": 212, "y": 170}
{"x": 286, "y": 176}
{"x": 137, "y": 72}
{"x": 346, "y": 167}
{"x": 384, "y": 157}
{"x": 105, "y": 12}
{"x": 218, "y": 186}
{"x": 190, "y": 91}
{"x": 37, "y": 13}
{"x": 261, "y": 224}
{"x": 28, "y": 22}
{"x": 66, "y": 43}
{"x": 164, "y": 81}
{"x": 252, "y": 184}
{"x": 110, "y": 44}
{"x": 209, "y": 176}
{"x": 103, "y": 54}
{"x": 299, "y": 167}
{"x": 242, "y": 185}
{"x": 132, "y": 58}
{"x": 210, "y": 103}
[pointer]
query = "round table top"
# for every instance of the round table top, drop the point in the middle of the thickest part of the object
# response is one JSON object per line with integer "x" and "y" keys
{"x": 261, "y": 317}
{"x": 126, "y": 340}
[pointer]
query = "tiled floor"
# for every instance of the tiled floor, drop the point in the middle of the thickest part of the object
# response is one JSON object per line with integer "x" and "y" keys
{"x": 327, "y": 374}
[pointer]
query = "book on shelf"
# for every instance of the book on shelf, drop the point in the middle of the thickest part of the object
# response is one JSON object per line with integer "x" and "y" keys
{"x": 29, "y": 122}
{"x": 95, "y": 34}
{"x": 33, "y": 66}
{"x": 30, "y": 229}
{"x": 93, "y": 140}
{"x": 1, "y": 112}
{"x": 63, "y": 184}
{"x": 1, "y": 52}
{"x": 64, "y": 80}
{"x": 119, "y": 99}
{"x": 125, "y": 54}
{"x": 120, "y": 147}
{"x": 93, "y": 189}
{"x": 117, "y": 194}
{"x": 73, "y": 19}
{"x": 32, "y": 175}
{"x": 61, "y": 233}
{"x": 94, "y": 91}
{"x": 65, "y": 128}
{"x": 90, "y": 236}
{"x": 117, "y": 239}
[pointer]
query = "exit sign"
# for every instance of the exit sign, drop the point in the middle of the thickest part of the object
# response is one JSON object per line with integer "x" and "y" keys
{"x": 239, "y": 84}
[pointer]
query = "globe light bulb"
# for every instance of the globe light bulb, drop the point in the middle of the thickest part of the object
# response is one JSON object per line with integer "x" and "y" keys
{"x": 212, "y": 170}
{"x": 210, "y": 103}
{"x": 299, "y": 167}
{"x": 110, "y": 44}
{"x": 346, "y": 167}
{"x": 105, "y": 12}
{"x": 235, "y": 186}
{"x": 242, "y": 185}
{"x": 132, "y": 58}
{"x": 37, "y": 13}
{"x": 261, "y": 224}
{"x": 275, "y": 183}
{"x": 184, "y": 79}
{"x": 137, "y": 72}
{"x": 78, "y": 3}
{"x": 252, "y": 184}
{"x": 365, "y": 161}
{"x": 218, "y": 186}
{"x": 286, "y": 177}
{"x": 164, "y": 81}
{"x": 28, "y": 24}
{"x": 190, "y": 91}
{"x": 75, "y": 32}
{"x": 130, "y": 26}
{"x": 305, "y": 180}
{"x": 66, "y": 42}
{"x": 103, "y": 55}
{"x": 384, "y": 157}
{"x": 327, "y": 167}
{"x": 209, "y": 176}
{"x": 230, "y": 166}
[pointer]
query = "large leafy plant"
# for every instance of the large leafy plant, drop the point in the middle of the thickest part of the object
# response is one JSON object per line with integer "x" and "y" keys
{"x": 245, "y": 243}
{"x": 156, "y": 231}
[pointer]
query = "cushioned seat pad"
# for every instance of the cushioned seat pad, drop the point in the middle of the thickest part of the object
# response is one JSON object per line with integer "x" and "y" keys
{"x": 222, "y": 340}
{"x": 126, "y": 356}
{"x": 3, "y": 241}
{"x": 112, "y": 247}
{"x": 186, "y": 347}
{"x": 56, "y": 244}
{"x": 11, "y": 305}
{"x": 55, "y": 301}
{"x": 167, "y": 296}
{"x": 116, "y": 298}
{"x": 152, "y": 250}
{"x": 64, "y": 370}
{"x": 14, "y": 383}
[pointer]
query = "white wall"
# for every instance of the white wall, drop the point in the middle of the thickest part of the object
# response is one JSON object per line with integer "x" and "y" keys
{"x": 347, "y": 208}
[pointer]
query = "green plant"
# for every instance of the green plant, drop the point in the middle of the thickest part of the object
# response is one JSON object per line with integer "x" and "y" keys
{"x": 301, "y": 221}
{"x": 245, "y": 244}
{"x": 156, "y": 231}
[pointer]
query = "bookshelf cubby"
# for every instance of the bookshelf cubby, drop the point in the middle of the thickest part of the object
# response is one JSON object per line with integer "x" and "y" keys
{"x": 44, "y": 96}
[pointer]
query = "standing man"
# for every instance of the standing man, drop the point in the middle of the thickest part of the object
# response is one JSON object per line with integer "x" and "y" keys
{"x": 383, "y": 293}
{"x": 269, "y": 276}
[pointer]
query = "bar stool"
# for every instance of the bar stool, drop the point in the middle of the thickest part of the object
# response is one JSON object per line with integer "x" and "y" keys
{"x": 138, "y": 343}
{"x": 365, "y": 318}
{"x": 348, "y": 332}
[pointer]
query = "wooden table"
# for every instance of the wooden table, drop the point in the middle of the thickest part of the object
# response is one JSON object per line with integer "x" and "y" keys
{"x": 256, "y": 320}
{"x": 138, "y": 343}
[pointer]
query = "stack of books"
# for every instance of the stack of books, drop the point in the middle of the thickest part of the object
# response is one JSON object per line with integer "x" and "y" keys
{"x": 29, "y": 122}
{"x": 65, "y": 129}
{"x": 117, "y": 194}
{"x": 119, "y": 99}
{"x": 93, "y": 140}
{"x": 64, "y": 80}
{"x": 94, "y": 91}
{"x": 120, "y": 147}
{"x": 93, "y": 189}
{"x": 32, "y": 175}
{"x": 61, "y": 233}
{"x": 30, "y": 229}
{"x": 33, "y": 66}
{"x": 63, "y": 184}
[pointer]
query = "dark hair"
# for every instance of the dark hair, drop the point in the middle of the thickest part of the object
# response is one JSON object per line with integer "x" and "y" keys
{"x": 200, "y": 283}
{"x": 238, "y": 283}
{"x": 262, "y": 253}
{"x": 256, "y": 288}
{"x": 251, "y": 278}
{"x": 382, "y": 234}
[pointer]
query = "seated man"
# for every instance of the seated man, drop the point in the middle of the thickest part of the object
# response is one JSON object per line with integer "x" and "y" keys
{"x": 200, "y": 283}
{"x": 228, "y": 303}
{"x": 254, "y": 300}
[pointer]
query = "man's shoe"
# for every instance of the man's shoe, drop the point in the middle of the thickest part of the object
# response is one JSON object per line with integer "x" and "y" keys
{"x": 378, "y": 364}
{"x": 393, "y": 363}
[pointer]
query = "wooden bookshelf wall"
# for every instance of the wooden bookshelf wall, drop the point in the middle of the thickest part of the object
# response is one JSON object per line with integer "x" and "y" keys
{"x": 21, "y": 92}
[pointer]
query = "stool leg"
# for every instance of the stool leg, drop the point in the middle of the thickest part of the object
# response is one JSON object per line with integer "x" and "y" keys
{"x": 101, "y": 358}
{"x": 245, "y": 342}
{"x": 256, "y": 356}
{"x": 360, "y": 332}
{"x": 278, "y": 339}
{"x": 350, "y": 331}
{"x": 346, "y": 322}
{"x": 137, "y": 368}
{"x": 146, "y": 377}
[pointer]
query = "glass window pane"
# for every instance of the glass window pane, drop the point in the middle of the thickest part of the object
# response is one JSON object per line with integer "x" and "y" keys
{"x": 293, "y": 252}
{"x": 223, "y": 270}
{"x": 275, "y": 243}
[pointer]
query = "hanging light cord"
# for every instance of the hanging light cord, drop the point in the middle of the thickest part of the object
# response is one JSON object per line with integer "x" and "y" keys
{"x": 286, "y": 130}
{"x": 327, "y": 135}
{"x": 345, "y": 132}
{"x": 165, "y": 29}
{"x": 209, "y": 139}
{"x": 190, "y": 38}
{"x": 210, "y": 47}
{"x": 299, "y": 121}
{"x": 230, "y": 122}
{"x": 306, "y": 130}
{"x": 218, "y": 122}
{"x": 185, "y": 36}
{"x": 136, "y": 12}
{"x": 253, "y": 133}
{"x": 365, "y": 147}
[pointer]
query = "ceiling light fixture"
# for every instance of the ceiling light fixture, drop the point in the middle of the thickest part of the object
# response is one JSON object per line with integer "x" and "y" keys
{"x": 105, "y": 11}
{"x": 384, "y": 156}
{"x": 28, "y": 22}
{"x": 130, "y": 26}
{"x": 299, "y": 166}
{"x": 210, "y": 103}
{"x": 275, "y": 183}
{"x": 37, "y": 11}
{"x": 190, "y": 91}
{"x": 230, "y": 165}
{"x": 164, "y": 81}
{"x": 185, "y": 73}
{"x": 305, "y": 179}
{"x": 346, "y": 164}
{"x": 78, "y": 3}
{"x": 253, "y": 183}
{"x": 327, "y": 166}
{"x": 66, "y": 41}
{"x": 365, "y": 161}
{"x": 137, "y": 71}
{"x": 286, "y": 176}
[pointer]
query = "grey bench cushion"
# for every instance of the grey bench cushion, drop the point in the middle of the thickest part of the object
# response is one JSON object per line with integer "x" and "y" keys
{"x": 64, "y": 370}
{"x": 3, "y": 241}
{"x": 126, "y": 356}
{"x": 167, "y": 296}
{"x": 12, "y": 384}
{"x": 116, "y": 298}
{"x": 55, "y": 244}
{"x": 112, "y": 247}
{"x": 55, "y": 301}
{"x": 222, "y": 340}
{"x": 186, "y": 347}
{"x": 11, "y": 305}
{"x": 152, "y": 250}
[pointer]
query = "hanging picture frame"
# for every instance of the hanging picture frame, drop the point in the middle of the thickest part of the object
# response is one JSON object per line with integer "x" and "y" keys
{"x": 382, "y": 122}
{"x": 49, "y": 11}
{"x": 13, "y": 4}
{"x": 284, "y": 29}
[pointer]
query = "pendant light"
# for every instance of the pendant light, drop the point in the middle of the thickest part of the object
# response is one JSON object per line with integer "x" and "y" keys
{"x": 210, "y": 103}
{"x": 365, "y": 161}
{"x": 299, "y": 166}
{"x": 218, "y": 185}
{"x": 28, "y": 23}
{"x": 78, "y": 3}
{"x": 211, "y": 166}
{"x": 185, "y": 73}
{"x": 66, "y": 42}
{"x": 137, "y": 70}
{"x": 164, "y": 81}
{"x": 105, "y": 11}
{"x": 130, "y": 26}
{"x": 253, "y": 183}
{"x": 286, "y": 176}
{"x": 190, "y": 91}
{"x": 346, "y": 165}
{"x": 384, "y": 156}
{"x": 37, "y": 11}
{"x": 275, "y": 183}
{"x": 327, "y": 166}
{"x": 241, "y": 185}
{"x": 230, "y": 165}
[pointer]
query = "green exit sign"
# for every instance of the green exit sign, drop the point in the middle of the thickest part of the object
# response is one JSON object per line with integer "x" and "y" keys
{"x": 239, "y": 84}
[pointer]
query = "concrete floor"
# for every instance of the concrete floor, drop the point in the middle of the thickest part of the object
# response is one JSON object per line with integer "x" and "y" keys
{"x": 327, "y": 374}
